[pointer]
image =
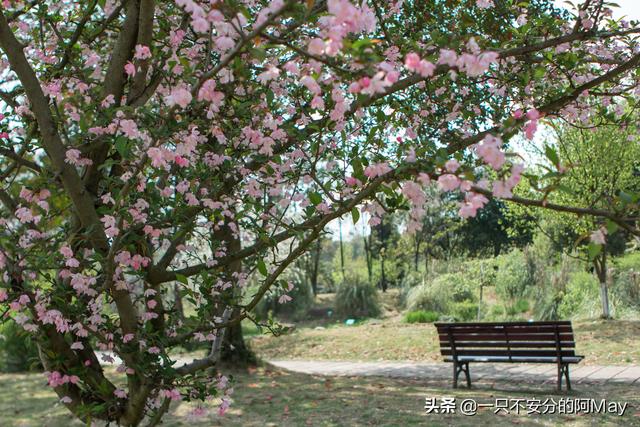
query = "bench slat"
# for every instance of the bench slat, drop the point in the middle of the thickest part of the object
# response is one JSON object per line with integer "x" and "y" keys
{"x": 505, "y": 359}
{"x": 509, "y": 328}
{"x": 524, "y": 323}
{"x": 498, "y": 344}
{"x": 502, "y": 337}
{"x": 497, "y": 352}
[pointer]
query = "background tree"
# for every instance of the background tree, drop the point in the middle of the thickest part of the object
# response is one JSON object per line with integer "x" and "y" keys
{"x": 598, "y": 166}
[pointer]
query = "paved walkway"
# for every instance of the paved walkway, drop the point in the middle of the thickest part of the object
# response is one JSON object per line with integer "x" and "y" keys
{"x": 443, "y": 371}
{"x": 547, "y": 373}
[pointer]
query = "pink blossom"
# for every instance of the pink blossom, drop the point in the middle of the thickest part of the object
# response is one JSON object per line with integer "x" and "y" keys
{"x": 533, "y": 114}
{"x": 284, "y": 298}
{"x": 316, "y": 46}
{"x": 412, "y": 61}
{"x": 310, "y": 83}
{"x": 448, "y": 57}
{"x": 420, "y": 66}
{"x": 448, "y": 182}
{"x": 142, "y": 52}
{"x": 352, "y": 181}
{"x": 173, "y": 394}
{"x": 130, "y": 69}
{"x": 225, "y": 402}
{"x": 484, "y": 4}
{"x": 530, "y": 128}
{"x": 73, "y": 156}
{"x": 317, "y": 103}
{"x": 179, "y": 96}
{"x": 452, "y": 165}
{"x": 501, "y": 189}
{"x": 377, "y": 169}
{"x": 489, "y": 151}
{"x": 271, "y": 73}
{"x": 110, "y": 226}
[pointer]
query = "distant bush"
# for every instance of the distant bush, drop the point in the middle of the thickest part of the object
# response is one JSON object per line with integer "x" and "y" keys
{"x": 18, "y": 352}
{"x": 421, "y": 316}
{"x": 357, "y": 298}
{"x": 581, "y": 297}
{"x": 625, "y": 292}
{"x": 441, "y": 293}
{"x": 465, "y": 310}
{"x": 516, "y": 274}
{"x": 520, "y": 306}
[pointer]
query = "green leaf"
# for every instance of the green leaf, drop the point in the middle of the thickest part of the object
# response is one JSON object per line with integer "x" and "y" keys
{"x": 182, "y": 279}
{"x": 262, "y": 267}
{"x": 355, "y": 215}
{"x": 594, "y": 250}
{"x": 612, "y": 227}
{"x": 552, "y": 155}
{"x": 315, "y": 198}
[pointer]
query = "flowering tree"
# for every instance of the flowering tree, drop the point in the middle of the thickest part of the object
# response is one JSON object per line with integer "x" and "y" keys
{"x": 147, "y": 143}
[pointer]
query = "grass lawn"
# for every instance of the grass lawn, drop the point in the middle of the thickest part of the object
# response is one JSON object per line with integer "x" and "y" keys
{"x": 265, "y": 397}
{"x": 615, "y": 342}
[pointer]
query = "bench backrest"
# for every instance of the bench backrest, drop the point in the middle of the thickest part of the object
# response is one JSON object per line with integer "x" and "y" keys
{"x": 507, "y": 339}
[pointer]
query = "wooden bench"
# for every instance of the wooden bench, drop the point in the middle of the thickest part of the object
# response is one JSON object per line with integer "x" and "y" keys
{"x": 508, "y": 342}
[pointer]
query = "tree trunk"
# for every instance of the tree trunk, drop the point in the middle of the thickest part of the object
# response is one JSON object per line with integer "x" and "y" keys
{"x": 600, "y": 264}
{"x": 369, "y": 257}
{"x": 383, "y": 277}
{"x": 315, "y": 267}
{"x": 178, "y": 306}
{"x": 341, "y": 250}
{"x": 234, "y": 350}
{"x": 416, "y": 254}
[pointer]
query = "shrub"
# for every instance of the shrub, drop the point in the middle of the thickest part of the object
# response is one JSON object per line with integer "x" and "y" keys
{"x": 421, "y": 316}
{"x": 17, "y": 352}
{"x": 439, "y": 294}
{"x": 465, "y": 310}
{"x": 581, "y": 297}
{"x": 357, "y": 298}
{"x": 521, "y": 306}
{"x": 515, "y": 275}
{"x": 625, "y": 292}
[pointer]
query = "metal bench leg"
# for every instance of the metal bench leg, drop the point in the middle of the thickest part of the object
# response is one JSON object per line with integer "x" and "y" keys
{"x": 566, "y": 375}
{"x": 461, "y": 367}
{"x": 466, "y": 373}
{"x": 559, "y": 377}
{"x": 455, "y": 374}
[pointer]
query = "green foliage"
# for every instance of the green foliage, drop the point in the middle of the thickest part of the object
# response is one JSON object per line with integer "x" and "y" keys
{"x": 581, "y": 298}
{"x": 521, "y": 306}
{"x": 464, "y": 310}
{"x": 625, "y": 292}
{"x": 421, "y": 316}
{"x": 18, "y": 352}
{"x": 515, "y": 275}
{"x": 357, "y": 298}
{"x": 441, "y": 293}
